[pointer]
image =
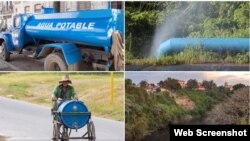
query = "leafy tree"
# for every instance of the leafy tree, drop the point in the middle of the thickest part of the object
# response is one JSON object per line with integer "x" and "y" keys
{"x": 208, "y": 84}
{"x": 161, "y": 84}
{"x": 143, "y": 84}
{"x": 187, "y": 19}
{"x": 158, "y": 89}
{"x": 171, "y": 84}
{"x": 128, "y": 83}
{"x": 234, "y": 110}
{"x": 238, "y": 86}
{"x": 192, "y": 84}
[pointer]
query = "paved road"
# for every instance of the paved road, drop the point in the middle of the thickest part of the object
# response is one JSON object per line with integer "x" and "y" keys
{"x": 23, "y": 121}
{"x": 191, "y": 67}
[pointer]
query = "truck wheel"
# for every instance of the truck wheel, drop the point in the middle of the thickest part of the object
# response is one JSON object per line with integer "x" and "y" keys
{"x": 4, "y": 52}
{"x": 55, "y": 62}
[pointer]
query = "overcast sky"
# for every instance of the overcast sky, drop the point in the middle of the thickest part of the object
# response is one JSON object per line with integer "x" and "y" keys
{"x": 218, "y": 77}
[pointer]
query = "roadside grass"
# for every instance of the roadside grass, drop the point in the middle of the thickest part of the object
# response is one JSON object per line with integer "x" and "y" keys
{"x": 92, "y": 88}
{"x": 193, "y": 55}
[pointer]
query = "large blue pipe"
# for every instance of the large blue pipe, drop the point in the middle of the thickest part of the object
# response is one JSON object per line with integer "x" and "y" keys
{"x": 215, "y": 44}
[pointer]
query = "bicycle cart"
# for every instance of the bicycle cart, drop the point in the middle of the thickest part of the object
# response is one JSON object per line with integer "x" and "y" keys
{"x": 72, "y": 115}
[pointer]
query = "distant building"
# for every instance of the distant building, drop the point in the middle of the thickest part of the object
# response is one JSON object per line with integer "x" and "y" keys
{"x": 230, "y": 87}
{"x": 30, "y": 6}
{"x": 6, "y": 11}
{"x": 182, "y": 83}
{"x": 150, "y": 87}
{"x": 163, "y": 89}
{"x": 200, "y": 88}
{"x": 137, "y": 85}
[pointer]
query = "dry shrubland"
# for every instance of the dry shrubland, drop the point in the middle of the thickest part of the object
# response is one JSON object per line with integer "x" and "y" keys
{"x": 234, "y": 110}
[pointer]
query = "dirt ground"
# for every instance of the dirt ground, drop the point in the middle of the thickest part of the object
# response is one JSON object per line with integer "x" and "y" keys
{"x": 2, "y": 138}
{"x": 21, "y": 62}
{"x": 185, "y": 102}
{"x": 25, "y": 63}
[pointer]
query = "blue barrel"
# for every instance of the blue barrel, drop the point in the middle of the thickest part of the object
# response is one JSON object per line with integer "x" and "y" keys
{"x": 73, "y": 114}
{"x": 88, "y": 27}
{"x": 215, "y": 44}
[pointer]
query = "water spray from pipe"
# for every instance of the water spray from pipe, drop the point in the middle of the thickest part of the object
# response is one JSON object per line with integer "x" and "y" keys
{"x": 165, "y": 43}
{"x": 168, "y": 29}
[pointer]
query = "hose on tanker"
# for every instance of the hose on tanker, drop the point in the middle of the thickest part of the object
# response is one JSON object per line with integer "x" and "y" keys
{"x": 117, "y": 51}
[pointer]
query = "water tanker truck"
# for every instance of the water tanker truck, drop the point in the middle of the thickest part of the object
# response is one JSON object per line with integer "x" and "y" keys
{"x": 214, "y": 44}
{"x": 67, "y": 39}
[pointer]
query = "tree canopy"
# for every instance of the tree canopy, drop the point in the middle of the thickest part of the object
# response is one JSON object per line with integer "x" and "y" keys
{"x": 183, "y": 19}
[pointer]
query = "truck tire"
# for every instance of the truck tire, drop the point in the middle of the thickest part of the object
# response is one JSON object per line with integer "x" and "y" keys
{"x": 118, "y": 51}
{"x": 55, "y": 62}
{"x": 5, "y": 53}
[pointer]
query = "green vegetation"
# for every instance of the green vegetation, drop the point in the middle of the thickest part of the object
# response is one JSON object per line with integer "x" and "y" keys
{"x": 238, "y": 86}
{"x": 199, "y": 20}
{"x": 171, "y": 84}
{"x": 192, "y": 84}
{"x": 233, "y": 110}
{"x": 194, "y": 55}
{"x": 92, "y": 88}
{"x": 147, "y": 112}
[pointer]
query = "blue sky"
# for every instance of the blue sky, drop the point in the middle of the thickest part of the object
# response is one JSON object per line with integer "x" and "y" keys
{"x": 218, "y": 77}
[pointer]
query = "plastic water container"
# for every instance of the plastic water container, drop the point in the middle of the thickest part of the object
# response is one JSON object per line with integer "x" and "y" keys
{"x": 74, "y": 114}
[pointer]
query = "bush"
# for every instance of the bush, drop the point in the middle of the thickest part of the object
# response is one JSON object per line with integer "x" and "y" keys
{"x": 234, "y": 110}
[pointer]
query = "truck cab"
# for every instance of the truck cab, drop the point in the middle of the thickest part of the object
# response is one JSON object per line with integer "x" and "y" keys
{"x": 19, "y": 38}
{"x": 13, "y": 39}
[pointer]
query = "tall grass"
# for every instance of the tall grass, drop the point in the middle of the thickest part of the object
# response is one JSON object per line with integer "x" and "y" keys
{"x": 193, "y": 55}
{"x": 92, "y": 88}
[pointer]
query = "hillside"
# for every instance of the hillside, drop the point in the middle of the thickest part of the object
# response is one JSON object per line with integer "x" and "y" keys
{"x": 147, "y": 112}
{"x": 234, "y": 110}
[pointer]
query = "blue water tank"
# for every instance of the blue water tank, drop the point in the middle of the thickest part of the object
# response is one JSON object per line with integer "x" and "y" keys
{"x": 74, "y": 114}
{"x": 88, "y": 27}
{"x": 47, "y": 10}
{"x": 215, "y": 44}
